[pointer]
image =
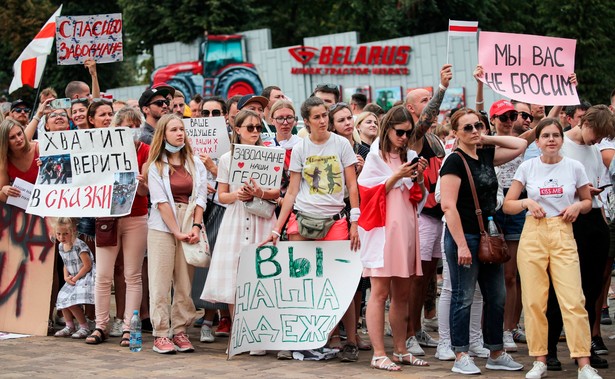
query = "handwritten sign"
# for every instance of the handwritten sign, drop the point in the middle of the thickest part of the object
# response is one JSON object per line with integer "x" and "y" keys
{"x": 263, "y": 164}
{"x": 26, "y": 191}
{"x": 529, "y": 68}
{"x": 290, "y": 296}
{"x": 208, "y": 135}
{"x": 85, "y": 173}
{"x": 81, "y": 37}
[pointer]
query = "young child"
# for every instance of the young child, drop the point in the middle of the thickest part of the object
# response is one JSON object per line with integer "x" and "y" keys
{"x": 79, "y": 274}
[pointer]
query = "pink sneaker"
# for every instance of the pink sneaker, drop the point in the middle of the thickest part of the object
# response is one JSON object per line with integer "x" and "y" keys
{"x": 182, "y": 343}
{"x": 224, "y": 327}
{"x": 163, "y": 345}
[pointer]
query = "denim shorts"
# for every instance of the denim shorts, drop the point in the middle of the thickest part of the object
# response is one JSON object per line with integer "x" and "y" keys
{"x": 512, "y": 225}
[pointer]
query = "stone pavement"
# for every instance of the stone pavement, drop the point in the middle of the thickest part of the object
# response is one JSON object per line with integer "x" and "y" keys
{"x": 49, "y": 357}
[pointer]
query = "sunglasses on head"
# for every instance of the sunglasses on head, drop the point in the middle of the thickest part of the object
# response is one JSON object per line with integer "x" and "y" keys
{"x": 160, "y": 103}
{"x": 214, "y": 113}
{"x": 470, "y": 127}
{"x": 337, "y": 105}
{"x": 250, "y": 128}
{"x": 525, "y": 116}
{"x": 22, "y": 110}
{"x": 288, "y": 119}
{"x": 401, "y": 132}
{"x": 512, "y": 116}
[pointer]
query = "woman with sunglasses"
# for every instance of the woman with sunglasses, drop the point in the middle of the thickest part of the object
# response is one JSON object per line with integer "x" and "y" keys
{"x": 239, "y": 228}
{"x": 317, "y": 188}
{"x": 462, "y": 235}
{"x": 548, "y": 248}
{"x": 390, "y": 259}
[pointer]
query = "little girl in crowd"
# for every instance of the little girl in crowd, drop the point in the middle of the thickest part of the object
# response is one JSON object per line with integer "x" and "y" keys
{"x": 79, "y": 274}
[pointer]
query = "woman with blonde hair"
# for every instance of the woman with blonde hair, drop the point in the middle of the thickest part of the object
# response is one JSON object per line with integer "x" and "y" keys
{"x": 17, "y": 158}
{"x": 368, "y": 124}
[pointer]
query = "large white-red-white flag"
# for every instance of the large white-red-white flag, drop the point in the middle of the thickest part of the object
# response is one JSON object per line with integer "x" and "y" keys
{"x": 29, "y": 66}
{"x": 462, "y": 28}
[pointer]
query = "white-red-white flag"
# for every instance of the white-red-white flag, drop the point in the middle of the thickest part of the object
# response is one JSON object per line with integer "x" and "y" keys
{"x": 28, "y": 68}
{"x": 462, "y": 28}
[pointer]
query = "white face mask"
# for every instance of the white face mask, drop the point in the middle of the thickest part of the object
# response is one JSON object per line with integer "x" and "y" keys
{"x": 173, "y": 149}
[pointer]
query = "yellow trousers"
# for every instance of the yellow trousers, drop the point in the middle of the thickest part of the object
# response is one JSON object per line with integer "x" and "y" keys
{"x": 547, "y": 248}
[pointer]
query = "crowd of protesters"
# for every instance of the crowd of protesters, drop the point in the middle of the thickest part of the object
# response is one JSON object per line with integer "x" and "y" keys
{"x": 545, "y": 179}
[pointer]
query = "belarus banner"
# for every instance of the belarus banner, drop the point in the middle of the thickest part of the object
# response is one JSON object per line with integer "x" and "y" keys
{"x": 291, "y": 296}
{"x": 81, "y": 37}
{"x": 85, "y": 173}
{"x": 529, "y": 68}
{"x": 208, "y": 136}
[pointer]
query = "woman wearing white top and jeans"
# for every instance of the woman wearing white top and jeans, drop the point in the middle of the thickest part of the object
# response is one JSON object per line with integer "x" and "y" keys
{"x": 174, "y": 178}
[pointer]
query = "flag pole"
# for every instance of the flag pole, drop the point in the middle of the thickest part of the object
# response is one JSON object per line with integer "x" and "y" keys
{"x": 448, "y": 43}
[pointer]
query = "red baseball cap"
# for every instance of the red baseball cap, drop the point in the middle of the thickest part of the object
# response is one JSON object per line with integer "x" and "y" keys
{"x": 500, "y": 107}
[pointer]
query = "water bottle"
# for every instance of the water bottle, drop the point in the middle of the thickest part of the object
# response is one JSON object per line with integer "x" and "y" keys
{"x": 136, "y": 342}
{"x": 492, "y": 229}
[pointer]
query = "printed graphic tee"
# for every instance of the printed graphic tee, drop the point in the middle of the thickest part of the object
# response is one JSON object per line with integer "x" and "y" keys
{"x": 553, "y": 186}
{"x": 321, "y": 191}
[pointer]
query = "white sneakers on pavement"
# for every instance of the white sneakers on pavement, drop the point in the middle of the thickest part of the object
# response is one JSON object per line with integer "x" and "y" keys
{"x": 538, "y": 371}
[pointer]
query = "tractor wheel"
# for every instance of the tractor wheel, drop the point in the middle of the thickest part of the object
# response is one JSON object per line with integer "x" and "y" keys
{"x": 239, "y": 82}
{"x": 184, "y": 87}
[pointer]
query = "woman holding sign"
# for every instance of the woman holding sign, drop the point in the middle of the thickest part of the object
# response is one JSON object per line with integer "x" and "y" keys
{"x": 239, "y": 227}
{"x": 175, "y": 178}
{"x": 321, "y": 167}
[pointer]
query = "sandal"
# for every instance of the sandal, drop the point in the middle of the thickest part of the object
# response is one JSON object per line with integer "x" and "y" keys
{"x": 334, "y": 345}
{"x": 385, "y": 364}
{"x": 412, "y": 361}
{"x": 125, "y": 342}
{"x": 95, "y": 339}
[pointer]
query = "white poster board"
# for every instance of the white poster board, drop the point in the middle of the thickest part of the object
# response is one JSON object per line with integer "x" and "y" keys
{"x": 208, "y": 135}
{"x": 263, "y": 164}
{"x": 24, "y": 197}
{"x": 290, "y": 296}
{"x": 86, "y": 173}
{"x": 81, "y": 37}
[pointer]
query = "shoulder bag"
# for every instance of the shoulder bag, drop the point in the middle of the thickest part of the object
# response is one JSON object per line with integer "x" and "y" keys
{"x": 198, "y": 254}
{"x": 491, "y": 249}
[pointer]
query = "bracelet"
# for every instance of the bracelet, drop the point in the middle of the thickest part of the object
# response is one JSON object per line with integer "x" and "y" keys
{"x": 198, "y": 226}
{"x": 36, "y": 118}
{"x": 480, "y": 102}
{"x": 275, "y": 232}
{"x": 442, "y": 87}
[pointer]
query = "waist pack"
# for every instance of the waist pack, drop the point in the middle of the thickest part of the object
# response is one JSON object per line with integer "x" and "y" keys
{"x": 315, "y": 228}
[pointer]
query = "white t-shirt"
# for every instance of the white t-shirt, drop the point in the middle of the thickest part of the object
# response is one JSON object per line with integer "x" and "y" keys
{"x": 553, "y": 186}
{"x": 321, "y": 191}
{"x": 591, "y": 159}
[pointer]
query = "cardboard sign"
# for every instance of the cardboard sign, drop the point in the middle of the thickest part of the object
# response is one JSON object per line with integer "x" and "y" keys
{"x": 26, "y": 272}
{"x": 26, "y": 191}
{"x": 86, "y": 173}
{"x": 529, "y": 68}
{"x": 263, "y": 164}
{"x": 208, "y": 135}
{"x": 290, "y": 296}
{"x": 81, "y": 37}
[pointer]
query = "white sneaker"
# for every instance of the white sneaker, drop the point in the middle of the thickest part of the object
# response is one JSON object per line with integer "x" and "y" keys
{"x": 444, "y": 352}
{"x": 509, "y": 342}
{"x": 413, "y": 346}
{"x": 116, "y": 328}
{"x": 588, "y": 372}
{"x": 477, "y": 350}
{"x": 503, "y": 362}
{"x": 465, "y": 365}
{"x": 538, "y": 371}
{"x": 258, "y": 353}
{"x": 430, "y": 324}
{"x": 206, "y": 334}
{"x": 425, "y": 339}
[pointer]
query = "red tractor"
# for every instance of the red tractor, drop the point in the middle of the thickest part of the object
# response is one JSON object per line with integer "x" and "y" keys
{"x": 221, "y": 70}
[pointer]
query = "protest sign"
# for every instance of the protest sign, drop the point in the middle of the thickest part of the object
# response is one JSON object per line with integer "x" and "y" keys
{"x": 86, "y": 173}
{"x": 81, "y": 37}
{"x": 208, "y": 135}
{"x": 26, "y": 191}
{"x": 263, "y": 164}
{"x": 290, "y": 296}
{"x": 529, "y": 68}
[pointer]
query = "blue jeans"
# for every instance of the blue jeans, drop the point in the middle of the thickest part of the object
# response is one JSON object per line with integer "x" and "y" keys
{"x": 490, "y": 278}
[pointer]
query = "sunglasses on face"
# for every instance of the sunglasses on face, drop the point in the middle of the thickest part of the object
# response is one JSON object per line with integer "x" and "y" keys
{"x": 288, "y": 119}
{"x": 468, "y": 128}
{"x": 251, "y": 128}
{"x": 525, "y": 116}
{"x": 160, "y": 103}
{"x": 512, "y": 116}
{"x": 21, "y": 110}
{"x": 214, "y": 113}
{"x": 401, "y": 132}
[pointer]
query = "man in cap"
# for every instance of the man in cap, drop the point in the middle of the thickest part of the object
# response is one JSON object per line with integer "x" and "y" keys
{"x": 20, "y": 112}
{"x": 154, "y": 103}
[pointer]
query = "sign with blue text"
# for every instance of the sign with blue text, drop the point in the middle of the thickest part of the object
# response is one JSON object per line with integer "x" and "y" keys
{"x": 291, "y": 296}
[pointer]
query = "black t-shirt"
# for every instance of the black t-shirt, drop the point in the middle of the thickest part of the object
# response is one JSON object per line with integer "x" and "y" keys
{"x": 485, "y": 181}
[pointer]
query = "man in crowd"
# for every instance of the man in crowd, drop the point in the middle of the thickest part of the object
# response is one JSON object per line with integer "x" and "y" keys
{"x": 358, "y": 101}
{"x": 179, "y": 104}
{"x": 525, "y": 118}
{"x": 20, "y": 111}
{"x": 195, "y": 105}
{"x": 273, "y": 94}
{"x": 329, "y": 93}
{"x": 154, "y": 104}
{"x": 231, "y": 106}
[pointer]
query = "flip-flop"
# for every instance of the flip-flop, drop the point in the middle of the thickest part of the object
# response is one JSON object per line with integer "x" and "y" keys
{"x": 385, "y": 364}
{"x": 412, "y": 361}
{"x": 95, "y": 339}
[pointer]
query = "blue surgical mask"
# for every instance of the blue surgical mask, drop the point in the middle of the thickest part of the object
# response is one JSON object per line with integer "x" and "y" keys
{"x": 172, "y": 149}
